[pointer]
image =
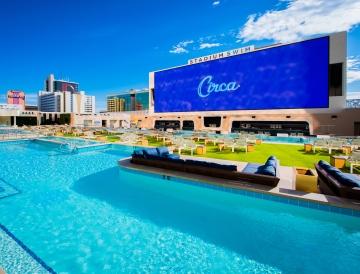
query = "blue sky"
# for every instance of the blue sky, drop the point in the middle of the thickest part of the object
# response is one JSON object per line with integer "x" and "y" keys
{"x": 110, "y": 46}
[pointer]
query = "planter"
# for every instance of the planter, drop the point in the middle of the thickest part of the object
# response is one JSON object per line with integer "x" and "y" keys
{"x": 308, "y": 147}
{"x": 250, "y": 147}
{"x": 200, "y": 150}
{"x": 306, "y": 180}
{"x": 338, "y": 161}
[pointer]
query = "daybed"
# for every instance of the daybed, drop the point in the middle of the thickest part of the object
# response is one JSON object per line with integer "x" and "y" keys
{"x": 332, "y": 181}
{"x": 160, "y": 157}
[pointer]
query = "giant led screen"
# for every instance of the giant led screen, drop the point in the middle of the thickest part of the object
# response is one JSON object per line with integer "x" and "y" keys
{"x": 282, "y": 77}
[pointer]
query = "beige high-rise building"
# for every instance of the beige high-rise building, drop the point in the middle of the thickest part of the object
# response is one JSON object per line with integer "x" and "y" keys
{"x": 65, "y": 101}
{"x": 116, "y": 104}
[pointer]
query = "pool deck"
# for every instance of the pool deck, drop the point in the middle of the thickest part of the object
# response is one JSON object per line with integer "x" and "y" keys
{"x": 285, "y": 187}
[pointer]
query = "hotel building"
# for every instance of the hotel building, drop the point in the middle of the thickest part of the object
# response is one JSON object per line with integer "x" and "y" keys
{"x": 16, "y": 97}
{"x": 133, "y": 100}
{"x": 64, "y": 96}
{"x": 285, "y": 88}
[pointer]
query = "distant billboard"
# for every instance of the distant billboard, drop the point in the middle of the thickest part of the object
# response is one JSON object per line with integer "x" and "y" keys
{"x": 16, "y": 97}
{"x": 289, "y": 76}
{"x": 66, "y": 86}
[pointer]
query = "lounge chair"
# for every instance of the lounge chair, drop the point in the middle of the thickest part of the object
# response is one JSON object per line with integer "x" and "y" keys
{"x": 160, "y": 157}
{"x": 228, "y": 143}
{"x": 335, "y": 145}
{"x": 355, "y": 143}
{"x": 320, "y": 144}
{"x": 188, "y": 145}
{"x": 251, "y": 139}
{"x": 235, "y": 143}
{"x": 128, "y": 138}
{"x": 214, "y": 139}
{"x": 239, "y": 143}
{"x": 332, "y": 181}
{"x": 354, "y": 160}
{"x": 177, "y": 142}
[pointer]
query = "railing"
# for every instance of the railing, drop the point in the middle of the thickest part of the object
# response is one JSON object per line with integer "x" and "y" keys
{"x": 19, "y": 135}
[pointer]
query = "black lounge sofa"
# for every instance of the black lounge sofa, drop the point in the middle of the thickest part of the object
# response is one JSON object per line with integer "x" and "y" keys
{"x": 254, "y": 173}
{"x": 332, "y": 181}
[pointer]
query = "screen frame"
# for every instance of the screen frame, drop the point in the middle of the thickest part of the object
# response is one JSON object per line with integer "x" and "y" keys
{"x": 257, "y": 50}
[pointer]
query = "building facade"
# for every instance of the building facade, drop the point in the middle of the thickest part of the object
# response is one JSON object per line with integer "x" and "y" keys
{"x": 64, "y": 96}
{"x": 109, "y": 120}
{"x": 16, "y": 97}
{"x": 332, "y": 117}
{"x": 53, "y": 85}
{"x": 133, "y": 100}
{"x": 51, "y": 101}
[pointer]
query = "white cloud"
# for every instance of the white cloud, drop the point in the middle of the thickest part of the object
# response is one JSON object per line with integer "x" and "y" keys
{"x": 353, "y": 69}
{"x": 216, "y": 3}
{"x": 177, "y": 50}
{"x": 353, "y": 95}
{"x": 209, "y": 45}
{"x": 181, "y": 47}
{"x": 300, "y": 19}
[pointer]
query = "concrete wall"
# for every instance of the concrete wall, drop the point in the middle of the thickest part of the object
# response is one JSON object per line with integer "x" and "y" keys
{"x": 337, "y": 122}
{"x": 5, "y": 120}
{"x": 111, "y": 120}
{"x": 338, "y": 46}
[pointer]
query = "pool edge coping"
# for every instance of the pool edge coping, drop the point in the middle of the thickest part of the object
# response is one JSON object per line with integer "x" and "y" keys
{"x": 342, "y": 206}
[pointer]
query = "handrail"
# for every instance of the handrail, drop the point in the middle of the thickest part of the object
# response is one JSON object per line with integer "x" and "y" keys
{"x": 72, "y": 147}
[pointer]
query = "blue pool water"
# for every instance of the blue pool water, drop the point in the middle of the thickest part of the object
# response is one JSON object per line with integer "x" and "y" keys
{"x": 289, "y": 140}
{"x": 81, "y": 213}
{"x": 7, "y": 130}
{"x": 73, "y": 141}
{"x": 265, "y": 138}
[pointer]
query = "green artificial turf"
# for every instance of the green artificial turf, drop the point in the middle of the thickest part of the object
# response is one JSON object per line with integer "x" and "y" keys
{"x": 288, "y": 155}
{"x": 153, "y": 142}
{"x": 113, "y": 138}
{"x": 69, "y": 135}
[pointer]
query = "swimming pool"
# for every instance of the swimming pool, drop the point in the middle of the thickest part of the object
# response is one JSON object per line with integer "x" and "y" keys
{"x": 81, "y": 213}
{"x": 8, "y": 130}
{"x": 265, "y": 138}
{"x": 288, "y": 140}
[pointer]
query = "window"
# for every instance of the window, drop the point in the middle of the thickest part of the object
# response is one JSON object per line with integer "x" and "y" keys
{"x": 165, "y": 124}
{"x": 336, "y": 79}
{"x": 214, "y": 121}
{"x": 188, "y": 125}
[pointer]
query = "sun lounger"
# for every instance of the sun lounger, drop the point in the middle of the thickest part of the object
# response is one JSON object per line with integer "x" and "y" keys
{"x": 354, "y": 160}
{"x": 355, "y": 143}
{"x": 332, "y": 181}
{"x": 160, "y": 157}
{"x": 320, "y": 144}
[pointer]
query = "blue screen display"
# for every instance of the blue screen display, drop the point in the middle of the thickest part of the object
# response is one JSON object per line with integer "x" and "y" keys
{"x": 283, "y": 77}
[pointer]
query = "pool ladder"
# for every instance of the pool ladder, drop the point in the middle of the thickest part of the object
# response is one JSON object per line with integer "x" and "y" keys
{"x": 68, "y": 147}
